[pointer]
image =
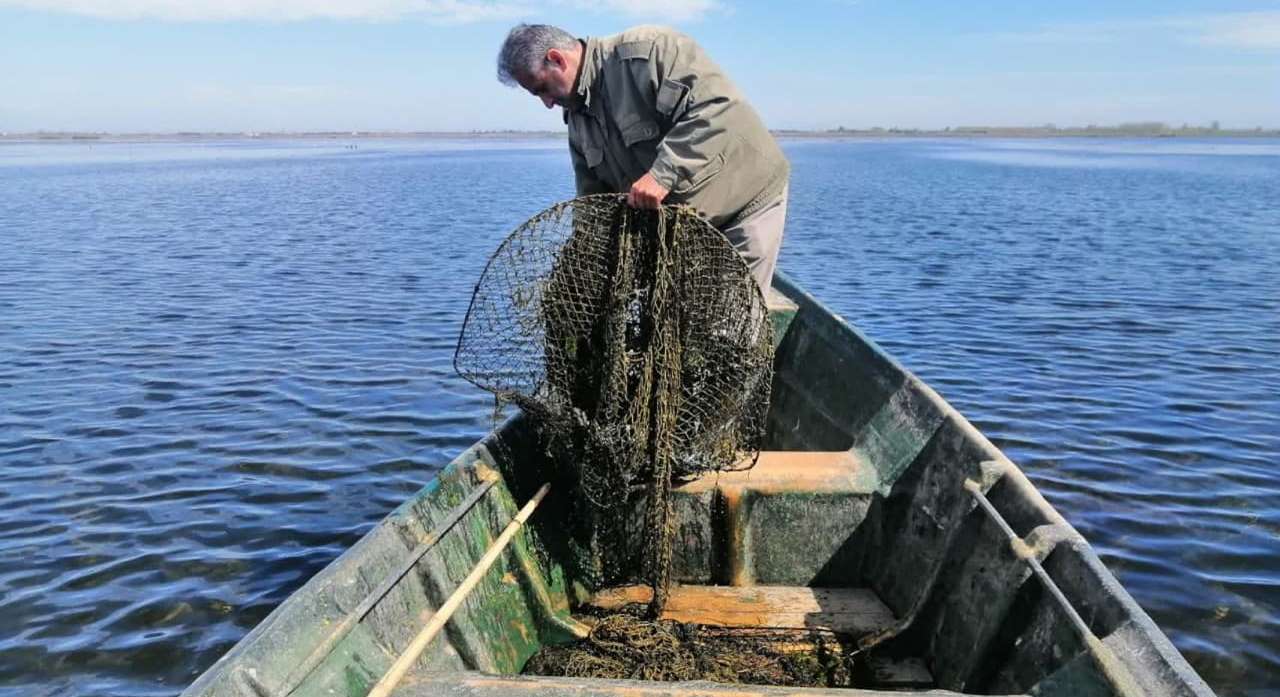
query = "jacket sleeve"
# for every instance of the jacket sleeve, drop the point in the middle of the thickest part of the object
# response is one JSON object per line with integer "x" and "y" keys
{"x": 586, "y": 180}
{"x": 693, "y": 96}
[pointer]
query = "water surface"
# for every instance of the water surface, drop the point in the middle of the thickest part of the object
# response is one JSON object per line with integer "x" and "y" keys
{"x": 221, "y": 363}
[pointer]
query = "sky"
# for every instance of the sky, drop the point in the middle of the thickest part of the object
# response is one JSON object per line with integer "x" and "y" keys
{"x": 429, "y": 65}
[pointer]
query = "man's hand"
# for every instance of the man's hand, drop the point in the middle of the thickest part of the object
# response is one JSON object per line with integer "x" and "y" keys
{"x": 646, "y": 193}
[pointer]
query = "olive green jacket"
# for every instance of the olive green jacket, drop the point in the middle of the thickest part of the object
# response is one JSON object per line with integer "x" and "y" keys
{"x": 649, "y": 100}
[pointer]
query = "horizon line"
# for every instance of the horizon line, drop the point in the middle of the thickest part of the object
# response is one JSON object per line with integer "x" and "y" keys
{"x": 1153, "y": 128}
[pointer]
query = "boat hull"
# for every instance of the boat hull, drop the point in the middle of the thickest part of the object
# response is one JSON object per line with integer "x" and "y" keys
{"x": 870, "y": 482}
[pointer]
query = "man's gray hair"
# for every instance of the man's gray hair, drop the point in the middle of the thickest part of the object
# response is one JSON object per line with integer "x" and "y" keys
{"x": 525, "y": 50}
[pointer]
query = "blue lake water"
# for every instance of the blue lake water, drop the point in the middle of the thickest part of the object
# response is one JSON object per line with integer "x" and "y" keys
{"x": 221, "y": 363}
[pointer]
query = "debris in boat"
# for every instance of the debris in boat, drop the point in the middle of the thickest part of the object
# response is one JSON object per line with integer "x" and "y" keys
{"x": 625, "y": 645}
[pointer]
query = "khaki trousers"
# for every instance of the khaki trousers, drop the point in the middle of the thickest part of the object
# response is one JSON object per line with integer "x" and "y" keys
{"x": 758, "y": 238}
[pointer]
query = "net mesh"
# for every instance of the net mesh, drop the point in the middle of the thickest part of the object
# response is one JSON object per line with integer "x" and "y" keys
{"x": 641, "y": 349}
{"x": 626, "y": 646}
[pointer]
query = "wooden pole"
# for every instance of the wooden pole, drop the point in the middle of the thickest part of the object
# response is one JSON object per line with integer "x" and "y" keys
{"x": 442, "y": 615}
{"x": 324, "y": 648}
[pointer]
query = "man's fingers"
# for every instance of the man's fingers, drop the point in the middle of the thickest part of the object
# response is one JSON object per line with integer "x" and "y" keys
{"x": 640, "y": 196}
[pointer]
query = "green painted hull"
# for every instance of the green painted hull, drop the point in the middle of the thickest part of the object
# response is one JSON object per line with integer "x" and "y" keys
{"x": 879, "y": 502}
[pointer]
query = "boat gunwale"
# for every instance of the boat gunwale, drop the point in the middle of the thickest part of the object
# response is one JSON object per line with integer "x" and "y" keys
{"x": 483, "y": 451}
{"x": 1011, "y": 473}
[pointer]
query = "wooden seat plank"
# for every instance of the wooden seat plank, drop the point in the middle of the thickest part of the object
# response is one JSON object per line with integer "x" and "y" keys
{"x": 792, "y": 472}
{"x": 851, "y": 611}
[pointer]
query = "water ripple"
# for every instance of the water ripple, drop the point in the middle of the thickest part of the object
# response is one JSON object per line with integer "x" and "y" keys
{"x": 1117, "y": 339}
{"x": 222, "y": 364}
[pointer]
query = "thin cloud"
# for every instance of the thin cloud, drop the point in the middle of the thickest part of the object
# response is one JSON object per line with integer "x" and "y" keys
{"x": 668, "y": 10}
{"x": 1249, "y": 30}
{"x": 445, "y": 11}
{"x": 438, "y": 11}
{"x": 1074, "y": 33}
{"x": 1241, "y": 30}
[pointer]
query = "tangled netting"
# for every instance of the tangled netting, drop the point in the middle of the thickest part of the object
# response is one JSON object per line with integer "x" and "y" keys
{"x": 641, "y": 348}
{"x": 625, "y": 646}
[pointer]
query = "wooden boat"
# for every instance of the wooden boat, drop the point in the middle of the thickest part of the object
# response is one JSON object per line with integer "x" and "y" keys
{"x": 878, "y": 513}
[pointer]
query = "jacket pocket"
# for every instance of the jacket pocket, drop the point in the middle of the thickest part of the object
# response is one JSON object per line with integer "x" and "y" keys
{"x": 669, "y": 97}
{"x": 708, "y": 172}
{"x": 593, "y": 155}
{"x": 638, "y": 131}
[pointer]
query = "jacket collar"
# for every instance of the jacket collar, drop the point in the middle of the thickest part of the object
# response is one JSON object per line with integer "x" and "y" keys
{"x": 584, "y": 88}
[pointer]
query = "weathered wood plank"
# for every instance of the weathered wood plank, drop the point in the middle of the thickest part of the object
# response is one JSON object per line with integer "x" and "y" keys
{"x": 479, "y": 685}
{"x": 852, "y": 611}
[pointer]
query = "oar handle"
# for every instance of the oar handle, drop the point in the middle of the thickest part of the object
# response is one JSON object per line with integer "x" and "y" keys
{"x": 442, "y": 615}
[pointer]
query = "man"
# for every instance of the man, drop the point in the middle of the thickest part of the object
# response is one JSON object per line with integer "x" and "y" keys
{"x": 650, "y": 115}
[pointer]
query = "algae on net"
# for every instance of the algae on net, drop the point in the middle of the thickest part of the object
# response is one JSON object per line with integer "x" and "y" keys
{"x": 641, "y": 349}
{"x": 626, "y": 646}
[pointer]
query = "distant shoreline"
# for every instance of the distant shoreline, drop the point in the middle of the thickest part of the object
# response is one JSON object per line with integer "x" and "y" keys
{"x": 1122, "y": 131}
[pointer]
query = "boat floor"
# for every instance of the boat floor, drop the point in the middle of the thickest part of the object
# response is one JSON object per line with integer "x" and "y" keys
{"x": 850, "y": 612}
{"x": 483, "y": 685}
{"x": 853, "y": 612}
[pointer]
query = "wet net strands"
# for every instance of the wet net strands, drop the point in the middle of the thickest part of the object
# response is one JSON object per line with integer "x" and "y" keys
{"x": 627, "y": 646}
{"x": 641, "y": 349}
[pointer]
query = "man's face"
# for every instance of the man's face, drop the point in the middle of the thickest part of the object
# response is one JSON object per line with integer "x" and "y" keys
{"x": 553, "y": 83}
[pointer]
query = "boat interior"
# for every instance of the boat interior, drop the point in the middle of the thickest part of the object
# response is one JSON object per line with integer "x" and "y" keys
{"x": 876, "y": 516}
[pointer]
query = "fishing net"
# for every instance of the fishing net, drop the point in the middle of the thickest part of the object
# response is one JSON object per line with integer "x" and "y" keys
{"x": 627, "y": 646}
{"x": 641, "y": 349}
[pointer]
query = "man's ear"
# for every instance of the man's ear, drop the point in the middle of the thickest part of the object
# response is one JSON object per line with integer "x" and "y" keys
{"x": 557, "y": 58}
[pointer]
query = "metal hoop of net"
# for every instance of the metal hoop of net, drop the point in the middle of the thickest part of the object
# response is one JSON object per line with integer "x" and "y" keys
{"x": 641, "y": 348}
